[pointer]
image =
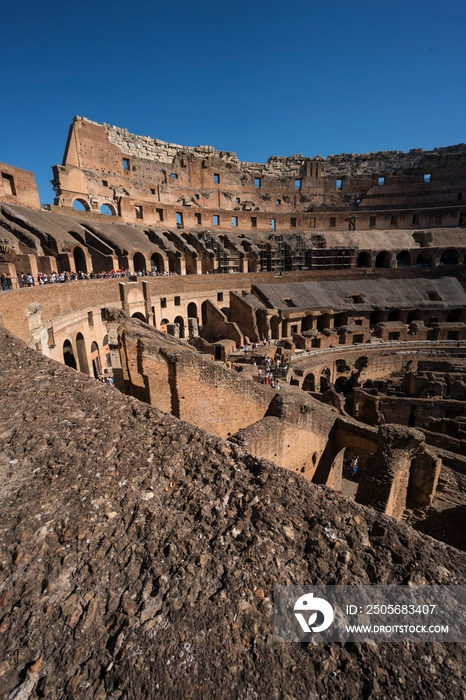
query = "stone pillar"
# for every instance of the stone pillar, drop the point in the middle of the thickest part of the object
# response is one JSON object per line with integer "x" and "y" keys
{"x": 193, "y": 328}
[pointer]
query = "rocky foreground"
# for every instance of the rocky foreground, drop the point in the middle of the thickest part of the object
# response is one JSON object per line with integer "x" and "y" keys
{"x": 139, "y": 555}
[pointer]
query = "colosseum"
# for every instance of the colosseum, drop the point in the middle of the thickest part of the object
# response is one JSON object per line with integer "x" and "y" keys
{"x": 196, "y": 351}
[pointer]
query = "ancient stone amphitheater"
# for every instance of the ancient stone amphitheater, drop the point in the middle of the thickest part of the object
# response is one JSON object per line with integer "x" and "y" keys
{"x": 144, "y": 524}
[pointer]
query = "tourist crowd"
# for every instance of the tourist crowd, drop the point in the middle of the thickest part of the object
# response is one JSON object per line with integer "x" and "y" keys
{"x": 23, "y": 280}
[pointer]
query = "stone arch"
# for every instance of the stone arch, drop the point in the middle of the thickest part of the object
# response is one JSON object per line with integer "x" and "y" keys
{"x": 275, "y": 327}
{"x": 204, "y": 312}
{"x": 449, "y": 257}
{"x": 309, "y": 383}
{"x": 79, "y": 259}
{"x": 68, "y": 355}
{"x": 325, "y": 379}
{"x": 383, "y": 259}
{"x": 180, "y": 321}
{"x": 139, "y": 262}
{"x": 340, "y": 319}
{"x": 107, "y": 209}
{"x": 95, "y": 359}
{"x": 425, "y": 259}
{"x": 306, "y": 324}
{"x": 376, "y": 316}
{"x": 403, "y": 259}
{"x": 414, "y": 316}
{"x": 364, "y": 260}
{"x": 192, "y": 310}
{"x": 80, "y": 204}
{"x": 157, "y": 263}
{"x": 139, "y": 316}
{"x": 456, "y": 315}
{"x": 323, "y": 321}
{"x": 82, "y": 354}
{"x": 174, "y": 262}
{"x": 394, "y": 315}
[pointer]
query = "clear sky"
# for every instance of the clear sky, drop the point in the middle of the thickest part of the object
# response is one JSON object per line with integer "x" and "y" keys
{"x": 259, "y": 78}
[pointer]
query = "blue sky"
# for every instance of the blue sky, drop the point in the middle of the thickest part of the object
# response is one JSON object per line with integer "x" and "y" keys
{"x": 259, "y": 78}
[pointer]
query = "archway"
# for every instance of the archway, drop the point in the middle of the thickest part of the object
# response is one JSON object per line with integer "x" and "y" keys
{"x": 364, "y": 260}
{"x": 325, "y": 379}
{"x": 174, "y": 263}
{"x": 68, "y": 356}
{"x": 403, "y": 259}
{"x": 275, "y": 327}
{"x": 95, "y": 359}
{"x": 414, "y": 316}
{"x": 383, "y": 259}
{"x": 340, "y": 319}
{"x": 139, "y": 316}
{"x": 192, "y": 310}
{"x": 456, "y": 316}
{"x": 180, "y": 321}
{"x": 309, "y": 383}
{"x": 81, "y": 205}
{"x": 79, "y": 260}
{"x": 394, "y": 315}
{"x": 424, "y": 259}
{"x": 107, "y": 210}
{"x": 204, "y": 312}
{"x": 306, "y": 324}
{"x": 449, "y": 257}
{"x": 376, "y": 316}
{"x": 156, "y": 263}
{"x": 82, "y": 355}
{"x": 139, "y": 262}
{"x": 323, "y": 322}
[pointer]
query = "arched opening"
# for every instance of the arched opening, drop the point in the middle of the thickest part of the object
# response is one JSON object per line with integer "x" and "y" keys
{"x": 139, "y": 316}
{"x": 95, "y": 359}
{"x": 424, "y": 259}
{"x": 68, "y": 356}
{"x": 79, "y": 260}
{"x": 383, "y": 259}
{"x": 204, "y": 312}
{"x": 163, "y": 324}
{"x": 403, "y": 259}
{"x": 456, "y": 316}
{"x": 156, "y": 263}
{"x": 306, "y": 324}
{"x": 449, "y": 257}
{"x": 394, "y": 315}
{"x": 414, "y": 316}
{"x": 139, "y": 262}
{"x": 81, "y": 205}
{"x": 309, "y": 383}
{"x": 376, "y": 316}
{"x": 180, "y": 321}
{"x": 364, "y": 260}
{"x": 82, "y": 356}
{"x": 107, "y": 210}
{"x": 340, "y": 320}
{"x": 323, "y": 322}
{"x": 174, "y": 263}
{"x": 325, "y": 379}
{"x": 275, "y": 327}
{"x": 192, "y": 310}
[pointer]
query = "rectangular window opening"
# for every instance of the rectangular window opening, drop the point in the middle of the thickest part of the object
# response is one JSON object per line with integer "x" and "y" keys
{"x": 90, "y": 319}
{"x": 381, "y": 181}
{"x": 198, "y": 219}
{"x": 338, "y": 184}
{"x": 293, "y": 222}
{"x": 394, "y": 221}
{"x": 177, "y": 301}
{"x": 9, "y": 184}
{"x": 257, "y": 182}
{"x": 179, "y": 219}
{"x": 253, "y": 221}
{"x": 126, "y": 164}
{"x": 174, "y": 176}
{"x": 159, "y": 213}
{"x": 297, "y": 184}
{"x": 427, "y": 177}
{"x": 237, "y": 200}
{"x": 216, "y": 220}
{"x": 312, "y": 222}
{"x": 152, "y": 190}
{"x": 163, "y": 303}
{"x": 216, "y": 179}
{"x": 273, "y": 224}
{"x": 460, "y": 196}
{"x": 333, "y": 221}
{"x": 104, "y": 183}
{"x": 138, "y": 211}
{"x": 234, "y": 221}
{"x": 278, "y": 201}
{"x": 219, "y": 296}
{"x": 415, "y": 219}
{"x": 372, "y": 221}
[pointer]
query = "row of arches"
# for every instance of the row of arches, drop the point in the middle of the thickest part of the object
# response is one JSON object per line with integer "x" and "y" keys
{"x": 405, "y": 258}
{"x": 80, "y": 204}
{"x": 77, "y": 357}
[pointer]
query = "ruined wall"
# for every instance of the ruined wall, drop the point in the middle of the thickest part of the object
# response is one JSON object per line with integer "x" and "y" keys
{"x": 18, "y": 186}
